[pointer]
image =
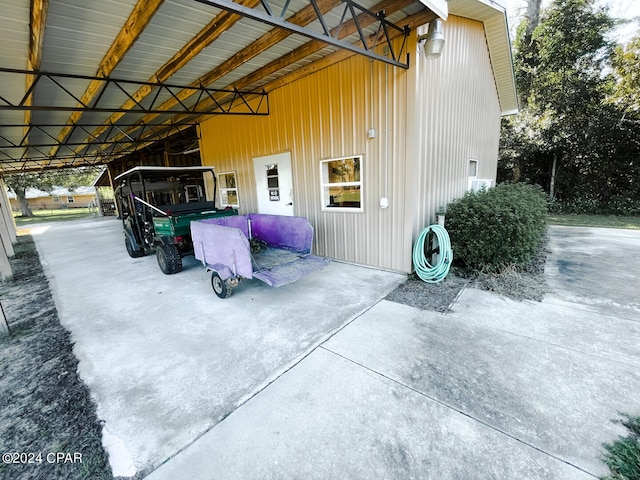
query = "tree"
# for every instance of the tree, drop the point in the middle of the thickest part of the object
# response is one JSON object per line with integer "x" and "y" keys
{"x": 568, "y": 136}
{"x": 18, "y": 183}
{"x": 626, "y": 62}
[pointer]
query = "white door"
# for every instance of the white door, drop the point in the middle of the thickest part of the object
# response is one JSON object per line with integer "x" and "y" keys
{"x": 274, "y": 184}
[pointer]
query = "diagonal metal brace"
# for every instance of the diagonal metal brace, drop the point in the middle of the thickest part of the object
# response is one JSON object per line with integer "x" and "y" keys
{"x": 265, "y": 15}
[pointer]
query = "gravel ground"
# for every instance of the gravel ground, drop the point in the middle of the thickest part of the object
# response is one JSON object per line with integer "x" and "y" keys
{"x": 429, "y": 296}
{"x": 520, "y": 283}
{"x": 45, "y": 409}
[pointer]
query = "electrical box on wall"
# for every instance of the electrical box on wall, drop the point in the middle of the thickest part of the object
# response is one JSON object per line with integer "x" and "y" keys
{"x": 384, "y": 202}
{"x": 371, "y": 133}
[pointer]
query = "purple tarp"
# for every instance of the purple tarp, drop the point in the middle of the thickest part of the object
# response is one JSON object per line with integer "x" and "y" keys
{"x": 222, "y": 245}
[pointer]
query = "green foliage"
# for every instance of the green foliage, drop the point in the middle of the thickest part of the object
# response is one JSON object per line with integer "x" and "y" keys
{"x": 587, "y": 204}
{"x": 68, "y": 178}
{"x": 623, "y": 456}
{"x": 495, "y": 228}
{"x": 626, "y": 61}
{"x": 578, "y": 129}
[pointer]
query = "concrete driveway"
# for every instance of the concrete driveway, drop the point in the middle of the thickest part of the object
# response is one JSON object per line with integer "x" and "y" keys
{"x": 164, "y": 357}
{"x": 495, "y": 389}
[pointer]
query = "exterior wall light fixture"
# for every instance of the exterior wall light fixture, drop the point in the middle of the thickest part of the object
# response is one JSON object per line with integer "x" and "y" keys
{"x": 433, "y": 40}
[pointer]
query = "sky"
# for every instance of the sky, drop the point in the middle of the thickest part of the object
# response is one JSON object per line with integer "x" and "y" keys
{"x": 629, "y": 9}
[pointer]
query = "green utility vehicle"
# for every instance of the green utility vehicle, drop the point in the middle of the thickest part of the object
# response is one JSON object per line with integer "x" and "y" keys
{"x": 157, "y": 205}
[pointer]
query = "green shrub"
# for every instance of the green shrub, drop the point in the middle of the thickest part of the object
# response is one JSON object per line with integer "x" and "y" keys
{"x": 623, "y": 456}
{"x": 623, "y": 206}
{"x": 501, "y": 226}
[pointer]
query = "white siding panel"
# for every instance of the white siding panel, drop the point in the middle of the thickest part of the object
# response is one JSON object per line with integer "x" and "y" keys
{"x": 458, "y": 119}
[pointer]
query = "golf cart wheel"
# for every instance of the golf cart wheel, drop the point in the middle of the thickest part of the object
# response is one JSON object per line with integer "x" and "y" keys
{"x": 221, "y": 287}
{"x": 169, "y": 259}
{"x": 133, "y": 253}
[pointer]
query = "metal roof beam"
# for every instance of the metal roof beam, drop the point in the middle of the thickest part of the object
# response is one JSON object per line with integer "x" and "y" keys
{"x": 361, "y": 48}
{"x": 73, "y": 104}
{"x": 37, "y": 22}
{"x": 345, "y": 29}
{"x": 205, "y": 37}
{"x": 138, "y": 20}
{"x": 303, "y": 17}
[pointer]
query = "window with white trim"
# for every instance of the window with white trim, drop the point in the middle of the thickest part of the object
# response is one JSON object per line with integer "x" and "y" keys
{"x": 228, "y": 189}
{"x": 341, "y": 184}
{"x": 477, "y": 184}
{"x": 473, "y": 168}
{"x": 55, "y": 198}
{"x": 70, "y": 199}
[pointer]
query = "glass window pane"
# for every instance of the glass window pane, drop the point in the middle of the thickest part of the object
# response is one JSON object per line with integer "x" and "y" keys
{"x": 473, "y": 168}
{"x": 229, "y": 197}
{"x": 227, "y": 180}
{"x": 344, "y": 171}
{"x": 346, "y": 197}
{"x": 272, "y": 170}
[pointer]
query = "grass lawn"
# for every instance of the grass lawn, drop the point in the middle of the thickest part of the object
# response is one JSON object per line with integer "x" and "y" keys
{"x": 61, "y": 215}
{"x": 605, "y": 221}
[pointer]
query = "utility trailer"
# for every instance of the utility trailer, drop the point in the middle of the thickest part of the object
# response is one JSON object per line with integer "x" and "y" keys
{"x": 157, "y": 206}
{"x": 275, "y": 249}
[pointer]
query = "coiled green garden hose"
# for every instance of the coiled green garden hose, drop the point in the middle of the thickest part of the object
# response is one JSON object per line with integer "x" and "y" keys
{"x": 427, "y": 272}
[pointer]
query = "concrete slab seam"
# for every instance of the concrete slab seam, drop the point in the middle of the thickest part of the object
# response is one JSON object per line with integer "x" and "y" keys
{"x": 456, "y": 298}
{"x": 266, "y": 384}
{"x": 461, "y": 412}
{"x": 538, "y": 340}
{"x": 588, "y": 308}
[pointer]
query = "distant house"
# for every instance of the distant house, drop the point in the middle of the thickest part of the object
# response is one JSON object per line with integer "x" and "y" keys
{"x": 58, "y": 198}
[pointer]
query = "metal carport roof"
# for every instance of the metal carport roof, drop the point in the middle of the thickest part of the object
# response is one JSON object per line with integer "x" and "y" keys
{"x": 83, "y": 82}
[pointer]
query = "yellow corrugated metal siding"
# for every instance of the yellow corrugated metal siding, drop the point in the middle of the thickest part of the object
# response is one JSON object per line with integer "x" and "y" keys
{"x": 457, "y": 119}
{"x": 429, "y": 121}
{"x": 327, "y": 115}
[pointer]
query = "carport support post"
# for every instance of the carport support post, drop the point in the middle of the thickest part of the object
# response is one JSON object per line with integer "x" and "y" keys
{"x": 6, "y": 274}
{"x": 5, "y": 212}
{"x": 4, "y": 326}
{"x": 6, "y": 237}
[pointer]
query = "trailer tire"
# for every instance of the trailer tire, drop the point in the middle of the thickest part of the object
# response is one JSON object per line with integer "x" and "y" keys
{"x": 133, "y": 252}
{"x": 220, "y": 287}
{"x": 169, "y": 259}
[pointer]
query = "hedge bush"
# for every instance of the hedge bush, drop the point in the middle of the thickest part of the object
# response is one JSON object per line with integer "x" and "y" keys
{"x": 623, "y": 206}
{"x": 501, "y": 226}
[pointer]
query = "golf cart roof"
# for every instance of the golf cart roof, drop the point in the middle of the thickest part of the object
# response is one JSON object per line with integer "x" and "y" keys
{"x": 163, "y": 170}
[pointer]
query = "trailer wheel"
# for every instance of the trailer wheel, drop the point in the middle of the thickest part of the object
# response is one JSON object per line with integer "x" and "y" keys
{"x": 221, "y": 287}
{"x": 169, "y": 259}
{"x": 133, "y": 253}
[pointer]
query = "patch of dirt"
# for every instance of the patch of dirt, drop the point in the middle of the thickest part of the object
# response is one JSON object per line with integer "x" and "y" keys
{"x": 429, "y": 296}
{"x": 45, "y": 409}
{"x": 525, "y": 282}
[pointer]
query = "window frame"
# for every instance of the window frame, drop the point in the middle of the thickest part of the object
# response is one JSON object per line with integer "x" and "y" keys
{"x": 324, "y": 186}
{"x": 221, "y": 189}
{"x": 471, "y": 178}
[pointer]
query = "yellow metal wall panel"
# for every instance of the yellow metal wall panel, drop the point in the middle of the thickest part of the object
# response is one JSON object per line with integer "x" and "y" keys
{"x": 428, "y": 120}
{"x": 321, "y": 116}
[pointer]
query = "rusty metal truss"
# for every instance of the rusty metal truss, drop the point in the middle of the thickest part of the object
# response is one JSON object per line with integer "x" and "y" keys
{"x": 268, "y": 13}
